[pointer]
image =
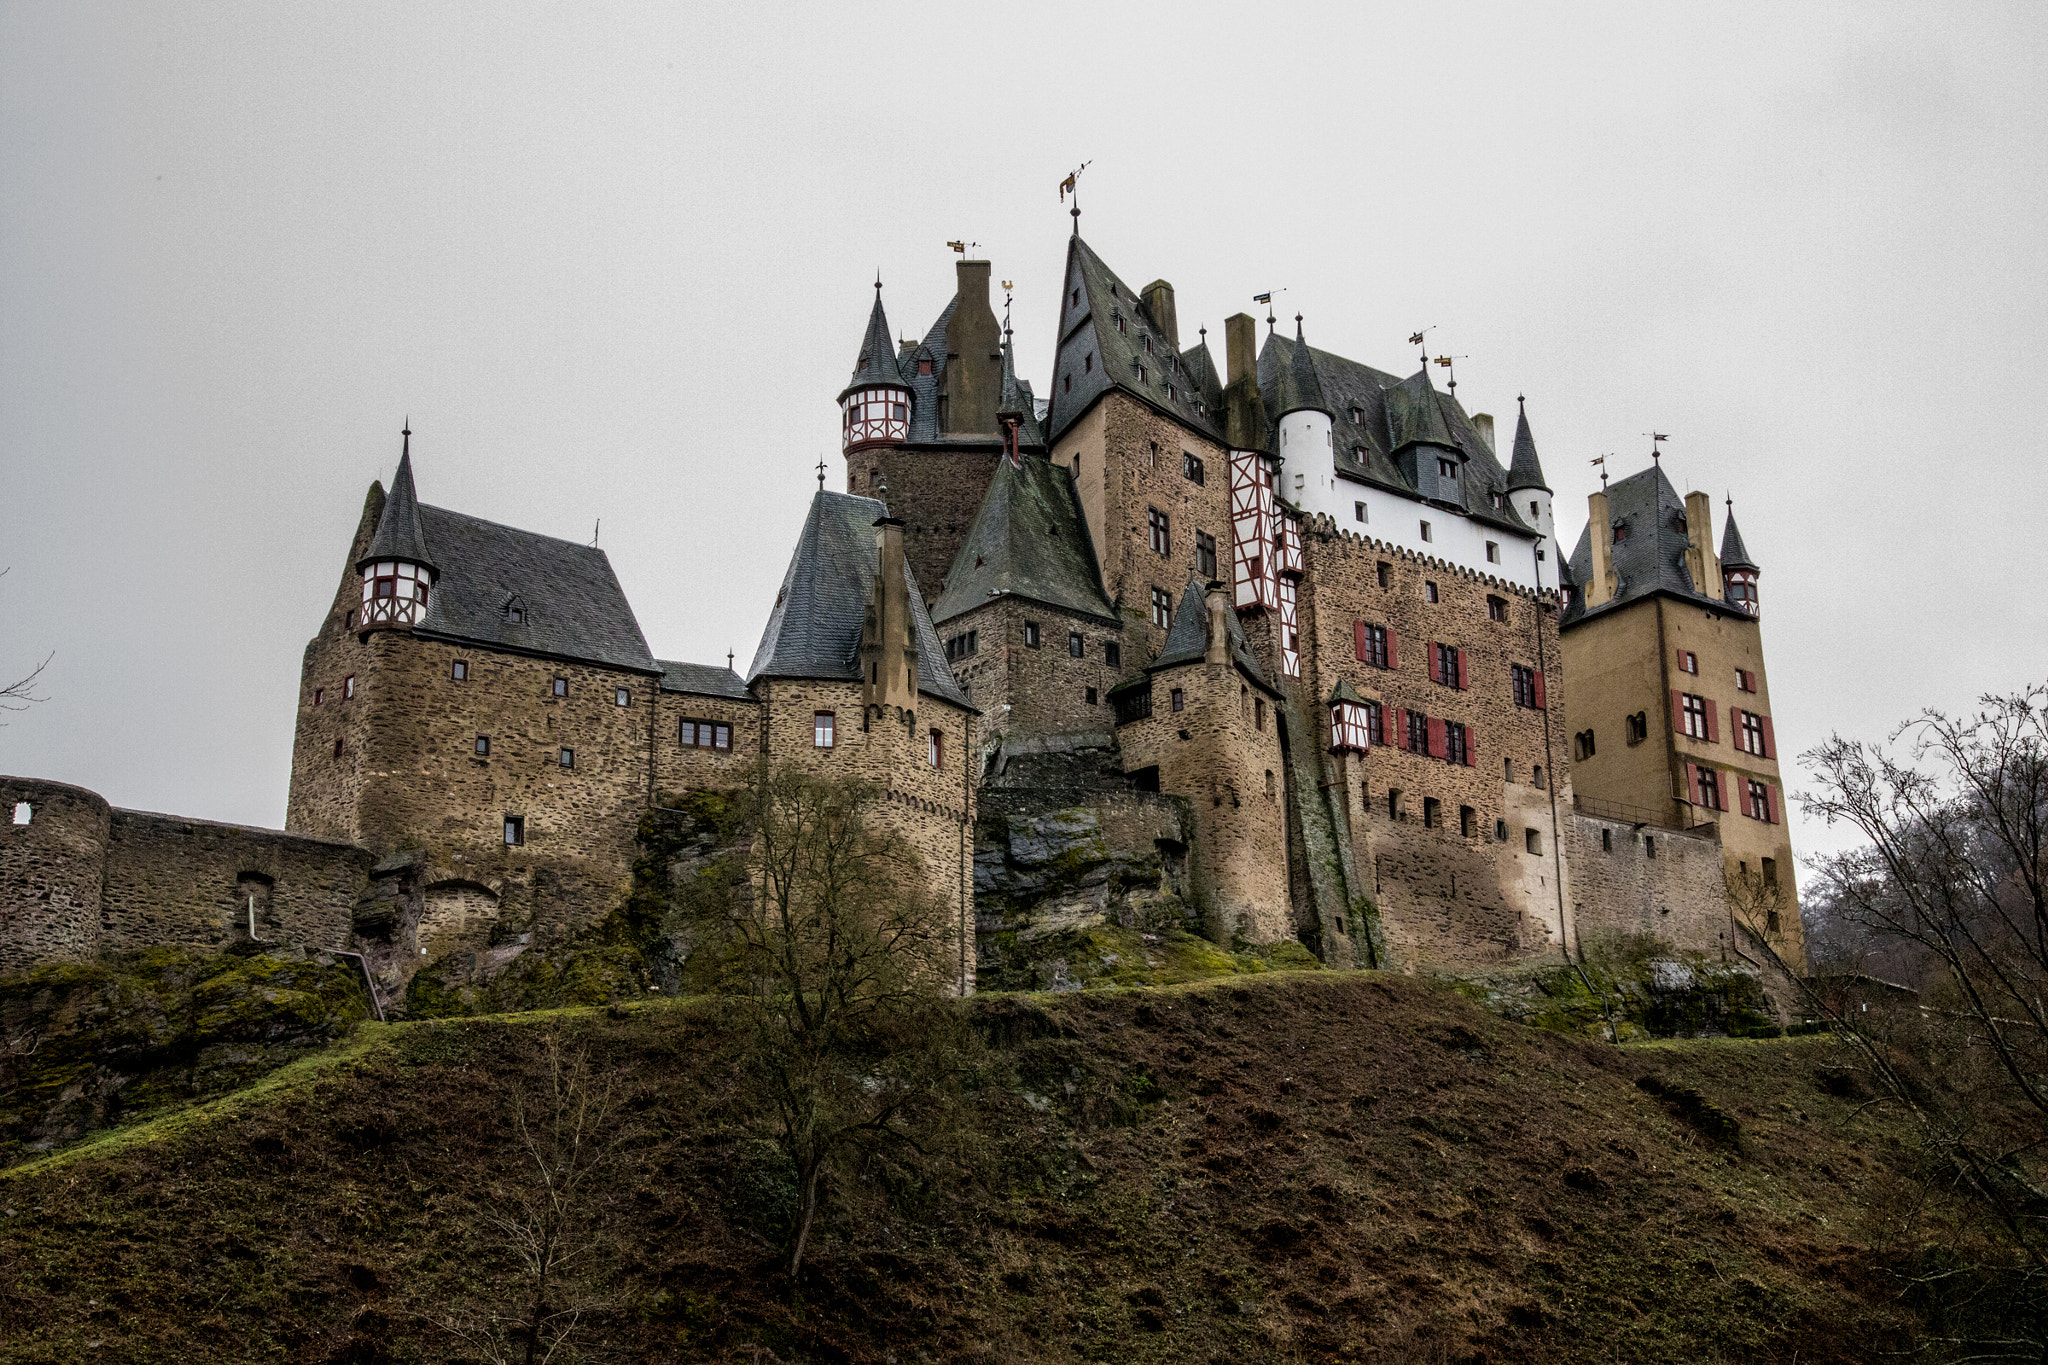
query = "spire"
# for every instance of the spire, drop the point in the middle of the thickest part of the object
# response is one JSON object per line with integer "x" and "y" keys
{"x": 1734, "y": 554}
{"x": 398, "y": 529}
{"x": 1299, "y": 389}
{"x": 877, "y": 362}
{"x": 1415, "y": 414}
{"x": 1525, "y": 471}
{"x": 1010, "y": 402}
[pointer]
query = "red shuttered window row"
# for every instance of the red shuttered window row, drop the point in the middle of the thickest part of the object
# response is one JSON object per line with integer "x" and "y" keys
{"x": 1694, "y": 717}
{"x": 1527, "y": 684}
{"x": 1434, "y": 737}
{"x": 1447, "y": 666}
{"x": 1716, "y": 788}
{"x": 1375, "y": 644}
{"x": 1752, "y": 732}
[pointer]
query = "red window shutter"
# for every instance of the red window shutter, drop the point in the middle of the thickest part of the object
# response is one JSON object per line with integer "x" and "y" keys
{"x": 1436, "y": 672}
{"x": 1771, "y": 802}
{"x": 1540, "y": 706}
{"x": 1770, "y": 740}
{"x": 1677, "y": 712}
{"x": 1358, "y": 638}
{"x": 1464, "y": 672}
{"x": 1692, "y": 783}
{"x": 1436, "y": 738}
{"x": 1713, "y": 723}
{"x": 1393, "y": 660}
{"x": 1400, "y": 728}
{"x": 1735, "y": 726}
{"x": 1471, "y": 744}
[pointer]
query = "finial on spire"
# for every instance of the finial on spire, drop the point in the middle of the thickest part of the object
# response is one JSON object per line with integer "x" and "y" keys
{"x": 728, "y": 661}
{"x": 1072, "y": 185}
{"x": 821, "y": 473}
{"x": 1297, "y": 327}
{"x": 878, "y": 279}
{"x": 1656, "y": 440}
{"x": 405, "y": 448}
{"x": 1521, "y": 400}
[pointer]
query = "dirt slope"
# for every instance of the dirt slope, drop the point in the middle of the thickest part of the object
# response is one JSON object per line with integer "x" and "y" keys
{"x": 1286, "y": 1167}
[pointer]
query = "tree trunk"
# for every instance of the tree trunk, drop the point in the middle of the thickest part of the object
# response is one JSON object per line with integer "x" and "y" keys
{"x": 807, "y": 1209}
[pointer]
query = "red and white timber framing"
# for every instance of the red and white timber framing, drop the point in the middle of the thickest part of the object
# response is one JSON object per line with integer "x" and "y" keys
{"x": 1266, "y": 549}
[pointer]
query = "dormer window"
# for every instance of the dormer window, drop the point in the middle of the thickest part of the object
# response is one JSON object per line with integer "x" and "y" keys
{"x": 1620, "y": 531}
{"x": 515, "y": 612}
{"x": 1446, "y": 469}
{"x": 924, "y": 365}
{"x": 1119, "y": 319}
{"x": 1148, "y": 345}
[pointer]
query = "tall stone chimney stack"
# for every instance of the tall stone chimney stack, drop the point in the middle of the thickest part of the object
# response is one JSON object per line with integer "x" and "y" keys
{"x": 1482, "y": 422}
{"x": 1240, "y": 347}
{"x": 1158, "y": 297}
{"x": 1700, "y": 560}
{"x": 973, "y": 383}
{"x": 888, "y": 648}
{"x": 1600, "y": 532}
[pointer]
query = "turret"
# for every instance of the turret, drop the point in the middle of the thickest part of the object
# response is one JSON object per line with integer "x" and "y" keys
{"x": 397, "y": 572}
{"x": 874, "y": 407}
{"x": 1306, "y": 444}
{"x": 1531, "y": 497}
{"x": 1738, "y": 571}
{"x": 1013, "y": 410}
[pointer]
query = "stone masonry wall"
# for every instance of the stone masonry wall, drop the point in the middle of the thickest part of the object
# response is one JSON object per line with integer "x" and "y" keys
{"x": 51, "y": 871}
{"x": 932, "y": 808}
{"x": 175, "y": 880}
{"x": 1629, "y": 880}
{"x": 1121, "y": 479}
{"x": 328, "y": 732}
{"x": 1449, "y": 892}
{"x": 1219, "y": 754}
{"x": 678, "y": 767}
{"x": 1036, "y": 691}
{"x": 934, "y": 493}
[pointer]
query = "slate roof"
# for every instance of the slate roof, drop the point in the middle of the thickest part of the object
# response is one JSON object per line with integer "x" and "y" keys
{"x": 876, "y": 363}
{"x": 1527, "y": 470}
{"x": 1734, "y": 554}
{"x": 1028, "y": 540}
{"x": 1298, "y": 389}
{"x": 1017, "y": 398}
{"x": 573, "y": 606}
{"x": 1366, "y": 408}
{"x": 702, "y": 680}
{"x": 1119, "y": 356}
{"x": 1187, "y": 640}
{"x": 814, "y": 630}
{"x": 924, "y": 388}
{"x": 399, "y": 534}
{"x": 1652, "y": 557}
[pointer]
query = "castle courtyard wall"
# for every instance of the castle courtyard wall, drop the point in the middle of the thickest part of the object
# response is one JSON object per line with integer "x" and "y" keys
{"x": 1036, "y": 691}
{"x": 51, "y": 872}
{"x": 934, "y": 493}
{"x": 1630, "y": 880}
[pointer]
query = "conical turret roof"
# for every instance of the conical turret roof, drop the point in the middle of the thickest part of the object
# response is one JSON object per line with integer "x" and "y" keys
{"x": 1300, "y": 390}
{"x": 1526, "y": 471}
{"x": 1734, "y": 554}
{"x": 398, "y": 531}
{"x": 1016, "y": 401}
{"x": 1414, "y": 416}
{"x": 877, "y": 361}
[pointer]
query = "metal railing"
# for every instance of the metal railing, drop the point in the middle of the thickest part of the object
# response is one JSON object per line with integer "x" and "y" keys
{"x": 1622, "y": 813}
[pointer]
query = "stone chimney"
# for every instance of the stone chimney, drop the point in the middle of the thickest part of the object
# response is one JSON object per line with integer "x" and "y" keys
{"x": 1600, "y": 533}
{"x": 1241, "y": 348}
{"x": 888, "y": 647}
{"x": 973, "y": 381}
{"x": 1158, "y": 297}
{"x": 1482, "y": 422}
{"x": 1700, "y": 560}
{"x": 1217, "y": 599}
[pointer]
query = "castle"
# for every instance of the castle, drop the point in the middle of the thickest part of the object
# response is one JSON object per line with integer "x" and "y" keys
{"x": 1299, "y": 601}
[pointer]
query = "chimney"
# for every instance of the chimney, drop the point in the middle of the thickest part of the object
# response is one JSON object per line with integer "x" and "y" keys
{"x": 1700, "y": 560}
{"x": 1158, "y": 297}
{"x": 888, "y": 648}
{"x": 1482, "y": 422}
{"x": 1601, "y": 535}
{"x": 973, "y": 382}
{"x": 1217, "y": 600}
{"x": 1241, "y": 348}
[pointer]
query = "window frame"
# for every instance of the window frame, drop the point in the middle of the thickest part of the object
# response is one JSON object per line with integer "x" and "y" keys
{"x": 1160, "y": 527}
{"x": 566, "y": 758}
{"x": 1032, "y": 638}
{"x": 1205, "y": 555}
{"x": 458, "y": 670}
{"x": 1692, "y": 707}
{"x": 1192, "y": 469}
{"x": 515, "y": 831}
{"x": 481, "y": 747}
{"x": 935, "y": 749}
{"x": 1162, "y": 609}
{"x": 1077, "y": 645}
{"x": 1179, "y": 699}
{"x": 824, "y": 729}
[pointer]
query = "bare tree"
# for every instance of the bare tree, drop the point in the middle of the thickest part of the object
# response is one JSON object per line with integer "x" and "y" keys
{"x": 839, "y": 953}
{"x": 20, "y": 694}
{"x": 569, "y": 1133}
{"x": 1954, "y": 878}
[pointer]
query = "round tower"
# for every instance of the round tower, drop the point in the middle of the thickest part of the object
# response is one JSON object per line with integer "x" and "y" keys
{"x": 1530, "y": 496}
{"x": 874, "y": 407}
{"x": 1306, "y": 445}
{"x": 397, "y": 573}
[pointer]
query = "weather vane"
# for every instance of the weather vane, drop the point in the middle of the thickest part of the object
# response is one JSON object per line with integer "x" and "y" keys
{"x": 1421, "y": 338}
{"x": 1657, "y": 438}
{"x": 1602, "y": 462}
{"x": 1267, "y": 299}
{"x": 1007, "y": 286}
{"x": 1072, "y": 185}
{"x": 1447, "y": 361}
{"x": 821, "y": 472}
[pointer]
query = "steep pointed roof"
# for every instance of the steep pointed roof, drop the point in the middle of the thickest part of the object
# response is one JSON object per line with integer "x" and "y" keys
{"x": 1299, "y": 389}
{"x": 1094, "y": 355}
{"x": 1028, "y": 540}
{"x": 399, "y": 535}
{"x": 1734, "y": 554}
{"x": 1187, "y": 640}
{"x": 815, "y": 629}
{"x": 877, "y": 361}
{"x": 1526, "y": 471}
{"x": 1016, "y": 401}
{"x": 1651, "y": 557}
{"x": 1414, "y": 414}
{"x": 1203, "y": 377}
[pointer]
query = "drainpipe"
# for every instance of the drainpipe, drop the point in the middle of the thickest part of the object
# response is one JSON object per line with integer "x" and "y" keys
{"x": 368, "y": 981}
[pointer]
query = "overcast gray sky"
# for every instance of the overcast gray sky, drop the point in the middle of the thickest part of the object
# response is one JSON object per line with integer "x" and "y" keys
{"x": 614, "y": 261}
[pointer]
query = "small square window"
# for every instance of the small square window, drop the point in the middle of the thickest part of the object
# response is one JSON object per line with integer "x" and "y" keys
{"x": 459, "y": 671}
{"x": 622, "y": 697}
{"x": 1386, "y": 573}
{"x": 1426, "y": 533}
{"x": 1358, "y": 511}
{"x": 1496, "y": 609}
{"x": 515, "y": 830}
{"x": 1493, "y": 552}
{"x": 318, "y": 694}
{"x": 1205, "y": 555}
{"x": 1112, "y": 654}
{"x": 1688, "y": 662}
{"x": 1191, "y": 466}
{"x": 1076, "y": 646}
{"x": 821, "y": 730}
{"x": 1428, "y": 591}
{"x": 349, "y": 622}
{"x": 23, "y": 812}
{"x": 1532, "y": 840}
{"x": 348, "y": 687}
{"x": 560, "y": 687}
{"x": 1180, "y": 700}
{"x": 483, "y": 746}
{"x": 337, "y": 746}
{"x": 1031, "y": 635}
{"x": 1091, "y": 696}
{"x": 568, "y": 758}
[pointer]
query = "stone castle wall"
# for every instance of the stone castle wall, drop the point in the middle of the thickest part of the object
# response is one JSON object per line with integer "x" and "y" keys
{"x": 680, "y": 767}
{"x": 1629, "y": 880}
{"x": 51, "y": 872}
{"x": 1041, "y": 690}
{"x": 934, "y": 493}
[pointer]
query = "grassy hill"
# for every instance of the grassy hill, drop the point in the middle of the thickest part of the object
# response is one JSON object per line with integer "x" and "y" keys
{"x": 1274, "y": 1167}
